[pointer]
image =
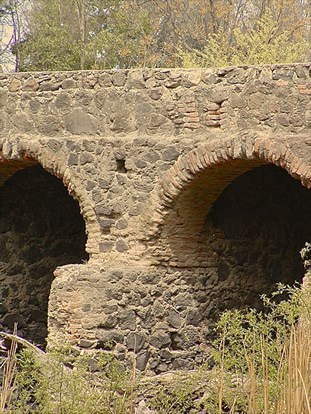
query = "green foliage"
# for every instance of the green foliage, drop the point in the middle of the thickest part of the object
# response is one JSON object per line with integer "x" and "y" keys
{"x": 264, "y": 44}
{"x": 47, "y": 52}
{"x": 65, "y": 383}
{"x": 123, "y": 44}
{"x": 261, "y": 365}
{"x": 254, "y": 351}
{"x": 99, "y": 34}
{"x": 178, "y": 396}
{"x": 106, "y": 34}
{"x": 50, "y": 44}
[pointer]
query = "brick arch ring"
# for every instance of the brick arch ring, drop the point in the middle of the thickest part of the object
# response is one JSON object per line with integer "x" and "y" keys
{"x": 239, "y": 154}
{"x": 17, "y": 155}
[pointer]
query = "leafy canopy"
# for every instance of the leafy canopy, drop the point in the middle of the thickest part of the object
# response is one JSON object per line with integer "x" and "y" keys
{"x": 264, "y": 44}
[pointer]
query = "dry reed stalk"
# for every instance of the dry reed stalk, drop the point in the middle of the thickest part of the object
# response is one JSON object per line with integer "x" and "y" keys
{"x": 133, "y": 388}
{"x": 295, "y": 379}
{"x": 221, "y": 379}
{"x": 301, "y": 338}
{"x": 252, "y": 381}
{"x": 252, "y": 397}
{"x": 265, "y": 372}
{"x": 8, "y": 374}
{"x": 233, "y": 406}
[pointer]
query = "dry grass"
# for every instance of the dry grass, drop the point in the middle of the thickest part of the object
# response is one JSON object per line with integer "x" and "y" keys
{"x": 289, "y": 394}
{"x": 295, "y": 394}
{"x": 8, "y": 377}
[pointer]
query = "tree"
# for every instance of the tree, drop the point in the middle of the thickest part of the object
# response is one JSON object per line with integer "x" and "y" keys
{"x": 186, "y": 27}
{"x": 263, "y": 35}
{"x": 12, "y": 23}
{"x": 98, "y": 34}
{"x": 81, "y": 34}
{"x": 6, "y": 34}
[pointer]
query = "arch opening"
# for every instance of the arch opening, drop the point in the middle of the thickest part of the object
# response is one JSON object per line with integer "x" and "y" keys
{"x": 235, "y": 231}
{"x": 262, "y": 220}
{"x": 40, "y": 228}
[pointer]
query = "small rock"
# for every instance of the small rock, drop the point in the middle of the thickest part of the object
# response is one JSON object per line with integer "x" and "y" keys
{"x": 142, "y": 408}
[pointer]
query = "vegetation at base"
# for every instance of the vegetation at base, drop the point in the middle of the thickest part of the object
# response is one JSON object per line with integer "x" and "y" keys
{"x": 102, "y": 34}
{"x": 262, "y": 364}
{"x": 263, "y": 359}
{"x": 65, "y": 383}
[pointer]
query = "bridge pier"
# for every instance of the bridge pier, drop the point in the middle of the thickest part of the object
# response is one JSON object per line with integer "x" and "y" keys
{"x": 141, "y": 313}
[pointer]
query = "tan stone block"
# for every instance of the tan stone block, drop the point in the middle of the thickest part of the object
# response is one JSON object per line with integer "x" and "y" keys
{"x": 191, "y": 125}
{"x": 31, "y": 84}
{"x": 213, "y": 117}
{"x": 15, "y": 85}
{"x": 305, "y": 91}
{"x": 211, "y": 123}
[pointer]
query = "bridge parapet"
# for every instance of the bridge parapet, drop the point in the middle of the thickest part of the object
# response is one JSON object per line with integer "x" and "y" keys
{"x": 155, "y": 101}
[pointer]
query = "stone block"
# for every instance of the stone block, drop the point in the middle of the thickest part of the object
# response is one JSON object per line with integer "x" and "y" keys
{"x": 79, "y": 122}
{"x": 135, "y": 341}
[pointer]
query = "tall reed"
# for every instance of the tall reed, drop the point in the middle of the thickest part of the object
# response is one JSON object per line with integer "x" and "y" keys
{"x": 8, "y": 375}
{"x": 264, "y": 360}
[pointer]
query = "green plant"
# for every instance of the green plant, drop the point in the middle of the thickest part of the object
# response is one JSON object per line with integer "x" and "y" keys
{"x": 263, "y": 359}
{"x": 262, "y": 366}
{"x": 177, "y": 394}
{"x": 64, "y": 383}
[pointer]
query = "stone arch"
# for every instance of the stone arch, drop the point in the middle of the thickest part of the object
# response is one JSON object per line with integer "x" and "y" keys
{"x": 218, "y": 163}
{"x": 35, "y": 243}
{"x": 19, "y": 154}
{"x": 184, "y": 236}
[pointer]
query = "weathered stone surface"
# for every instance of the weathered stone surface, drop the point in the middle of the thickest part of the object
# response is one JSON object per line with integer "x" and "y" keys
{"x": 31, "y": 84}
{"x": 42, "y": 218}
{"x": 175, "y": 219}
{"x": 237, "y": 101}
{"x": 108, "y": 339}
{"x": 122, "y": 246}
{"x": 15, "y": 85}
{"x": 78, "y": 122}
{"x": 62, "y": 101}
{"x": 160, "y": 340}
{"x": 135, "y": 341}
{"x": 3, "y": 98}
{"x": 14, "y": 318}
{"x": 119, "y": 78}
{"x": 68, "y": 84}
{"x": 170, "y": 154}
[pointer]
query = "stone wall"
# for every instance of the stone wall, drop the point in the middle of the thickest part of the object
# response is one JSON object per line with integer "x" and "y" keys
{"x": 262, "y": 221}
{"x": 150, "y": 156}
{"x": 156, "y": 101}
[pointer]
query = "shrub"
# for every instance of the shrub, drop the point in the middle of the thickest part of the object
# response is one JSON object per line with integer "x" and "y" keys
{"x": 65, "y": 383}
{"x": 263, "y": 359}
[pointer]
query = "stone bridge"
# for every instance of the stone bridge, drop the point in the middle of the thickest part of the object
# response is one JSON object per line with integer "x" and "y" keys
{"x": 136, "y": 205}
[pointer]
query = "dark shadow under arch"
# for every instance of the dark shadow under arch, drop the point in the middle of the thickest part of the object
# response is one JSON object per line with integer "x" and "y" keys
{"x": 40, "y": 228}
{"x": 262, "y": 220}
